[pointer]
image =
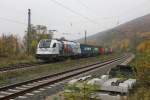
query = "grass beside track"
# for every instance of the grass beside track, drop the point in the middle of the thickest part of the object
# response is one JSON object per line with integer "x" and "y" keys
{"x": 142, "y": 90}
{"x": 13, "y": 60}
{"x": 42, "y": 70}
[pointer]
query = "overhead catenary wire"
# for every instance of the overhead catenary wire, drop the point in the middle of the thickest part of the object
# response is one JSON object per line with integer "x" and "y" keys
{"x": 85, "y": 6}
{"x": 12, "y": 21}
{"x": 81, "y": 3}
{"x": 92, "y": 10}
{"x": 74, "y": 12}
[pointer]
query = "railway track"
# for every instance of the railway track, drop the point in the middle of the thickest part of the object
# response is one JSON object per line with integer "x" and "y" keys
{"x": 19, "y": 66}
{"x": 18, "y": 89}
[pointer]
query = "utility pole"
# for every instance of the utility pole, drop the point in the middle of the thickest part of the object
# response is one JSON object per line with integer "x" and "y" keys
{"x": 29, "y": 31}
{"x": 85, "y": 40}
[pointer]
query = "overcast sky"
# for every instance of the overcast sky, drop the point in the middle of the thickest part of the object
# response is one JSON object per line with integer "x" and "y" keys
{"x": 91, "y": 15}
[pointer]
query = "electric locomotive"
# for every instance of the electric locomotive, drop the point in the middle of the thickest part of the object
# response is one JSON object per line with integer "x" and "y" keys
{"x": 54, "y": 48}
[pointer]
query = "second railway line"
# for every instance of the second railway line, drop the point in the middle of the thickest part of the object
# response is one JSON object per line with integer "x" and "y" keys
{"x": 35, "y": 64}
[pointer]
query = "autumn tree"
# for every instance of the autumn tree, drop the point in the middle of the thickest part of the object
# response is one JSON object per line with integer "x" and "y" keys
{"x": 38, "y": 32}
{"x": 9, "y": 45}
{"x": 144, "y": 46}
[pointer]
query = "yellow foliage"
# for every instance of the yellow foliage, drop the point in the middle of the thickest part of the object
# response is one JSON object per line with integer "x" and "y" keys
{"x": 144, "y": 46}
{"x": 145, "y": 34}
{"x": 115, "y": 44}
{"x": 124, "y": 44}
{"x": 9, "y": 45}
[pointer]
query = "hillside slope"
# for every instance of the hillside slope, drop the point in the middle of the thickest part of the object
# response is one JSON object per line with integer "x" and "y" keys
{"x": 124, "y": 36}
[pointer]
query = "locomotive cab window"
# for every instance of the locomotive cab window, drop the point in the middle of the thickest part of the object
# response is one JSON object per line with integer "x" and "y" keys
{"x": 44, "y": 44}
{"x": 54, "y": 45}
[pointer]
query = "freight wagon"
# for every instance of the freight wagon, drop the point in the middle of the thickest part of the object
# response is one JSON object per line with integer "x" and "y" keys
{"x": 88, "y": 50}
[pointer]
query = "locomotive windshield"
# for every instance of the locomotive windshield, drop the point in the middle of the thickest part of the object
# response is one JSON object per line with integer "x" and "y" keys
{"x": 44, "y": 44}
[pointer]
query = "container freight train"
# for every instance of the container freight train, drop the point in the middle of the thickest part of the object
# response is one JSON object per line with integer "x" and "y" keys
{"x": 50, "y": 49}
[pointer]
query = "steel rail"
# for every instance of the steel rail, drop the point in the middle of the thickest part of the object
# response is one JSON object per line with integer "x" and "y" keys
{"x": 54, "y": 78}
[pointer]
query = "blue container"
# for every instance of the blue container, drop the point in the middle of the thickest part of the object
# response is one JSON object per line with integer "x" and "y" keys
{"x": 89, "y": 50}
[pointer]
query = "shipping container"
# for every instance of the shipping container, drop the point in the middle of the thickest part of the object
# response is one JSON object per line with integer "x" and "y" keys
{"x": 89, "y": 50}
{"x": 86, "y": 50}
{"x": 101, "y": 51}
